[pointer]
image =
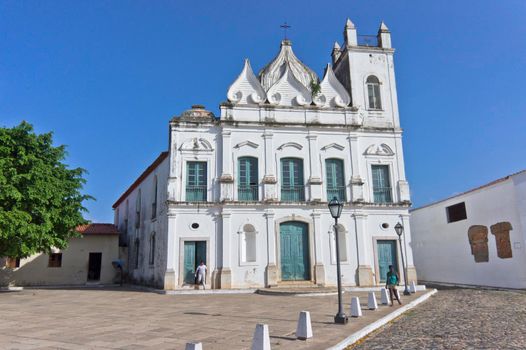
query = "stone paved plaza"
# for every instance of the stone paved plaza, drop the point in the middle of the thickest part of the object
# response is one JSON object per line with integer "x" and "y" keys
{"x": 457, "y": 319}
{"x": 113, "y": 319}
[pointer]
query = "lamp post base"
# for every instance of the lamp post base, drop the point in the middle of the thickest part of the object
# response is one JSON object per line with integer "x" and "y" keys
{"x": 340, "y": 319}
{"x": 406, "y": 291}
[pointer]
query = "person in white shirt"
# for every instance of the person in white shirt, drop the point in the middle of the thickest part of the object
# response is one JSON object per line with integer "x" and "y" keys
{"x": 200, "y": 274}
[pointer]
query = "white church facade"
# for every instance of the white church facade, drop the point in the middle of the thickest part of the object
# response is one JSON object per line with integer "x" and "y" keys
{"x": 247, "y": 192}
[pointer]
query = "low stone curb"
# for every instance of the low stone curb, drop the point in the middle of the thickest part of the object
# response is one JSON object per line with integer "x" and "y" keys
{"x": 353, "y": 338}
{"x": 209, "y": 291}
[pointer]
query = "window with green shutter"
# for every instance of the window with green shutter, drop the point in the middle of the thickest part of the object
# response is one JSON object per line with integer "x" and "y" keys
{"x": 196, "y": 182}
{"x": 381, "y": 184}
{"x": 335, "y": 179}
{"x": 247, "y": 188}
{"x": 292, "y": 185}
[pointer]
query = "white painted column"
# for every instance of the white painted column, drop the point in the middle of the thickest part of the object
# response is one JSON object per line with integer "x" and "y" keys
{"x": 356, "y": 179}
{"x": 173, "y": 178}
{"x": 226, "y": 179}
{"x": 315, "y": 183}
{"x": 226, "y": 233}
{"x": 319, "y": 268}
{"x": 170, "y": 276}
{"x": 365, "y": 272}
{"x": 269, "y": 179}
{"x": 408, "y": 252}
{"x": 271, "y": 272}
{"x": 403, "y": 187}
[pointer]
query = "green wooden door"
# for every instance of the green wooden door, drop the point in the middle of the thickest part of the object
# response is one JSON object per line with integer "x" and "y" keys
{"x": 294, "y": 247}
{"x": 189, "y": 262}
{"x": 194, "y": 253}
{"x": 386, "y": 257}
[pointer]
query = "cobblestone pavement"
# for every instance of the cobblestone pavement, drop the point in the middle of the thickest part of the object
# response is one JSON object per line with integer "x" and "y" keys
{"x": 457, "y": 319}
{"x": 128, "y": 319}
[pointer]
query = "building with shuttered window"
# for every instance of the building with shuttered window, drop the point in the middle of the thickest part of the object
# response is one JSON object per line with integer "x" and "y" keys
{"x": 246, "y": 192}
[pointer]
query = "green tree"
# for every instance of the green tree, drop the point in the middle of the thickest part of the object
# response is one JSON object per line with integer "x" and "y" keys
{"x": 40, "y": 197}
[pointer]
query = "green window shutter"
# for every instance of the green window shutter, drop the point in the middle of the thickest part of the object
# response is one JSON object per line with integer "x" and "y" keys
{"x": 381, "y": 184}
{"x": 248, "y": 178}
{"x": 335, "y": 179}
{"x": 292, "y": 188}
{"x": 196, "y": 181}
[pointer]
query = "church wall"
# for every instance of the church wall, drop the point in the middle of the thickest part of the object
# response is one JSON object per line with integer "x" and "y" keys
{"x": 145, "y": 273}
{"x": 444, "y": 253}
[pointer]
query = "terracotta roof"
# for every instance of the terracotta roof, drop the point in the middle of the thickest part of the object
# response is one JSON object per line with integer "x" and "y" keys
{"x": 137, "y": 182}
{"x": 469, "y": 191}
{"x": 98, "y": 229}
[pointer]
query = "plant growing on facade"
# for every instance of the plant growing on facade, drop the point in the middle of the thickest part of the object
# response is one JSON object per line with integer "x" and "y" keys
{"x": 315, "y": 88}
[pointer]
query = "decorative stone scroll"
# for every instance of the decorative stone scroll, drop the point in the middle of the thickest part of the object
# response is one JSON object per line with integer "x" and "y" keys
{"x": 501, "y": 231}
{"x": 478, "y": 240}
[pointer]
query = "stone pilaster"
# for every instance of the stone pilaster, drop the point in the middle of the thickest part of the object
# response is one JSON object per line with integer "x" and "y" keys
{"x": 271, "y": 270}
{"x": 319, "y": 268}
{"x": 315, "y": 183}
{"x": 170, "y": 276}
{"x": 364, "y": 272}
{"x": 225, "y": 274}
{"x": 226, "y": 179}
{"x": 269, "y": 179}
{"x": 356, "y": 180}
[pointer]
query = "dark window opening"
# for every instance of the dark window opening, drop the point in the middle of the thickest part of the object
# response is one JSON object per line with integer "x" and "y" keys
{"x": 12, "y": 263}
{"x": 55, "y": 260}
{"x": 456, "y": 212}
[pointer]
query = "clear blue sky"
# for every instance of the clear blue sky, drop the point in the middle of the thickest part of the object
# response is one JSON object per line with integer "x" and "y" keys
{"x": 106, "y": 76}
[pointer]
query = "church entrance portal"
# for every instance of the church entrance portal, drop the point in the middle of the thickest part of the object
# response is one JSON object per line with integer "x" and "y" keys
{"x": 294, "y": 248}
{"x": 194, "y": 253}
{"x": 386, "y": 256}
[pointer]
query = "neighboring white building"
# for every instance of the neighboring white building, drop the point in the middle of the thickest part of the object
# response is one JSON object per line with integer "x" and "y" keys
{"x": 87, "y": 259}
{"x": 474, "y": 238}
{"x": 247, "y": 193}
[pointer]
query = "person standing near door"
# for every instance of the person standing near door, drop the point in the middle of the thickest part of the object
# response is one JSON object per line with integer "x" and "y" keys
{"x": 393, "y": 279}
{"x": 200, "y": 274}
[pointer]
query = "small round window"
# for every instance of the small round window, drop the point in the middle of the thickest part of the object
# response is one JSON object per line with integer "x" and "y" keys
{"x": 195, "y": 225}
{"x": 385, "y": 225}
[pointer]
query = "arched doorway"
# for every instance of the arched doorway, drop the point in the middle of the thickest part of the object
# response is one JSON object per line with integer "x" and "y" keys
{"x": 294, "y": 251}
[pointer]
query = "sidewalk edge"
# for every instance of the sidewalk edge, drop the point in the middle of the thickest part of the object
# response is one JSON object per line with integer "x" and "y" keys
{"x": 353, "y": 338}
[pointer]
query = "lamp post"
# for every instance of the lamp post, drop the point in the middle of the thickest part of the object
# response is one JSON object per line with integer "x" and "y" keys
{"x": 335, "y": 207}
{"x": 399, "y": 230}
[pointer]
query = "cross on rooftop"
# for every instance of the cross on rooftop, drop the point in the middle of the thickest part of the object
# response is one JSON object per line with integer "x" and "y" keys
{"x": 285, "y": 26}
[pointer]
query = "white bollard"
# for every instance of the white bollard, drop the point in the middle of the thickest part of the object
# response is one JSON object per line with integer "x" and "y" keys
{"x": 398, "y": 294}
{"x": 371, "y": 301}
{"x": 412, "y": 287}
{"x": 356, "y": 310}
{"x": 193, "y": 346}
{"x": 385, "y": 296}
{"x": 261, "y": 340}
{"x": 304, "y": 329}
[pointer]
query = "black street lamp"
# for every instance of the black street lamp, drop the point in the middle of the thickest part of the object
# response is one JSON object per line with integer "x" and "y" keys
{"x": 335, "y": 207}
{"x": 399, "y": 231}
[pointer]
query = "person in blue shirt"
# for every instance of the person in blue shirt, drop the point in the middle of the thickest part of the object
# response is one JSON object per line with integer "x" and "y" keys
{"x": 393, "y": 279}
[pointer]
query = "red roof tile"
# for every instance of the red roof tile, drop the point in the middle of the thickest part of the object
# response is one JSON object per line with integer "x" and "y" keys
{"x": 97, "y": 229}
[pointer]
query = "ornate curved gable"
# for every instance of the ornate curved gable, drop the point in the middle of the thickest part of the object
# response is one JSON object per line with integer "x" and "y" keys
{"x": 332, "y": 92}
{"x": 288, "y": 91}
{"x": 378, "y": 150}
{"x": 273, "y": 71}
{"x": 246, "y": 89}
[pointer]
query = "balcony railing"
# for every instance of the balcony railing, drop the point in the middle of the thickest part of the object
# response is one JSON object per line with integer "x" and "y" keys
{"x": 382, "y": 195}
{"x": 247, "y": 193}
{"x": 196, "y": 193}
{"x": 367, "y": 40}
{"x": 338, "y": 192}
{"x": 293, "y": 194}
